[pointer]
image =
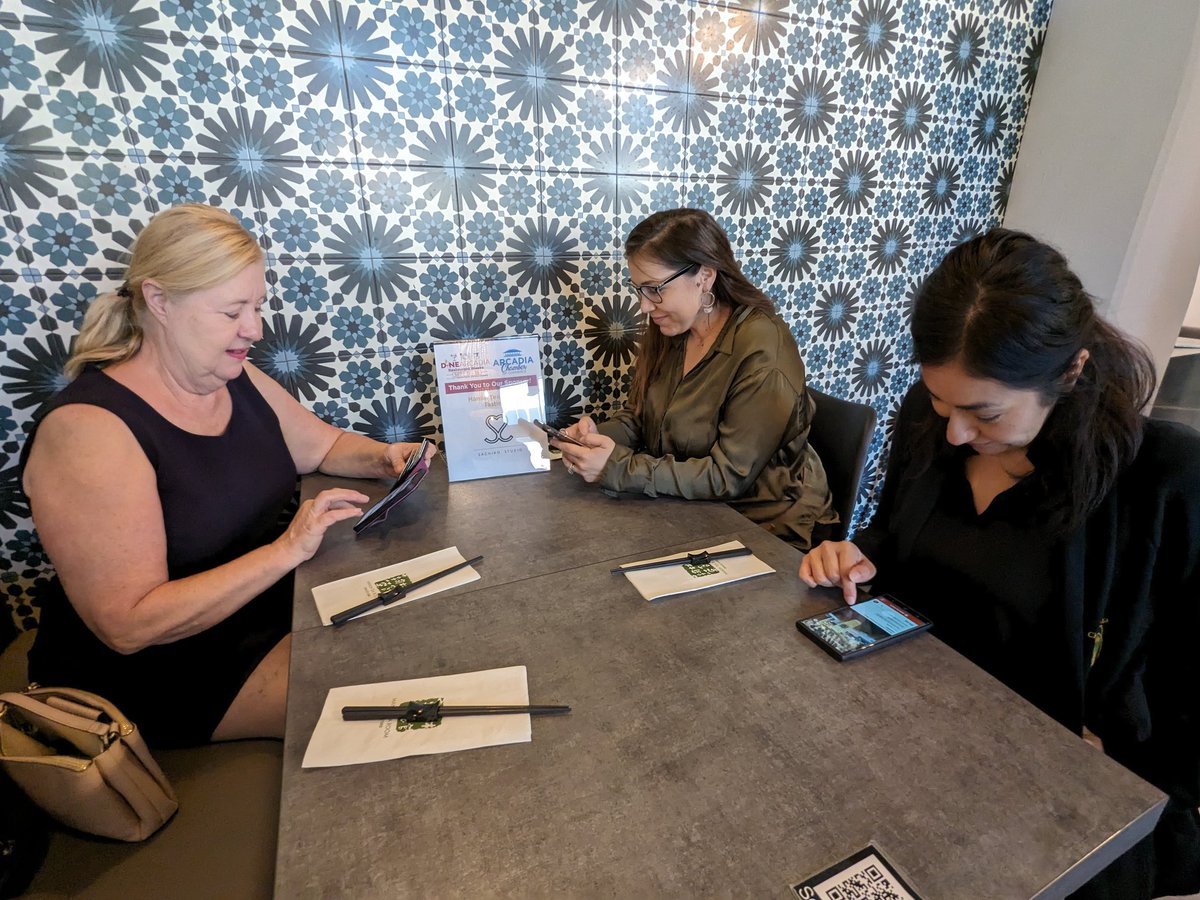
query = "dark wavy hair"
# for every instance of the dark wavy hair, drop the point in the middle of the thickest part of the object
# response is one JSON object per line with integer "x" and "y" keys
{"x": 676, "y": 238}
{"x": 1007, "y": 307}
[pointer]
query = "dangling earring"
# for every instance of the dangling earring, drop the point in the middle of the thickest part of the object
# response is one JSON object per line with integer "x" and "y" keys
{"x": 708, "y": 302}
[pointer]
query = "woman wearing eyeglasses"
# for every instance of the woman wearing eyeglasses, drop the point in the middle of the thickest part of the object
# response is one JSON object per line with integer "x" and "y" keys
{"x": 717, "y": 409}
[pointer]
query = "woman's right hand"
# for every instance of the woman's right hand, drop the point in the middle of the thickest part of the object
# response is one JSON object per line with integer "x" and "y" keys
{"x": 314, "y": 517}
{"x": 580, "y": 428}
{"x": 837, "y": 563}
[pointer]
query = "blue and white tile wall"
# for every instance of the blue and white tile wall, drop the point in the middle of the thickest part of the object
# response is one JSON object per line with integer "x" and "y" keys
{"x": 465, "y": 168}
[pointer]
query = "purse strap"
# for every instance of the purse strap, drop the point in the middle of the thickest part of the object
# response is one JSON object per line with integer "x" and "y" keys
{"x": 92, "y": 706}
{"x": 37, "y": 703}
{"x": 71, "y": 699}
{"x": 71, "y": 706}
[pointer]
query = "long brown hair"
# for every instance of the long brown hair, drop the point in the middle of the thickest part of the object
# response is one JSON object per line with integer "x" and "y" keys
{"x": 186, "y": 248}
{"x": 1008, "y": 308}
{"x": 676, "y": 238}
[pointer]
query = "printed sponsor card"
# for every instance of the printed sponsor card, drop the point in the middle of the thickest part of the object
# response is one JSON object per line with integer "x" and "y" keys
{"x": 491, "y": 391}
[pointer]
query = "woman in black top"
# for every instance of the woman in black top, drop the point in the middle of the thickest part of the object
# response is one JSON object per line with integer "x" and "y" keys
{"x": 1048, "y": 529}
{"x": 156, "y": 481}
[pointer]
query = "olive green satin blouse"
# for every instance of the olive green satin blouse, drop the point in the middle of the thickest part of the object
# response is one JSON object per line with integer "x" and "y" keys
{"x": 735, "y": 428}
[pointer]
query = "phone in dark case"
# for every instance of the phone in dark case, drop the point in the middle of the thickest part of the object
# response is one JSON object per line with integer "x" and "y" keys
{"x": 868, "y": 625}
{"x": 410, "y": 479}
{"x": 557, "y": 434}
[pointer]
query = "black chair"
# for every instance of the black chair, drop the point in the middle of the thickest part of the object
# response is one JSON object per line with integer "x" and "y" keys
{"x": 841, "y": 434}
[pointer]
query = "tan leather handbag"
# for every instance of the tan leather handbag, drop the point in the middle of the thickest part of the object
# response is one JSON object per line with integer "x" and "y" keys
{"x": 83, "y": 762}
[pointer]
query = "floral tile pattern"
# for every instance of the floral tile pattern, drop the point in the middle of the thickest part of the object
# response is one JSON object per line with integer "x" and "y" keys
{"x": 432, "y": 171}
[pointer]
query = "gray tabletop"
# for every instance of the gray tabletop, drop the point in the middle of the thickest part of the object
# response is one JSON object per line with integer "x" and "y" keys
{"x": 712, "y": 751}
{"x": 522, "y": 525}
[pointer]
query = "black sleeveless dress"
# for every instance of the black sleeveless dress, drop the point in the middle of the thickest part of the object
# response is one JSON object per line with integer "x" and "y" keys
{"x": 222, "y": 496}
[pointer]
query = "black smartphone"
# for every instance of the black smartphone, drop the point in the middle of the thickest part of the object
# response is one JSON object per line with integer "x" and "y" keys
{"x": 409, "y": 480}
{"x": 871, "y": 624}
{"x": 415, "y": 459}
{"x": 557, "y": 434}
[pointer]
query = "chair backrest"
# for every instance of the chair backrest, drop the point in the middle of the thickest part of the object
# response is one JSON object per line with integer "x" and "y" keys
{"x": 841, "y": 434}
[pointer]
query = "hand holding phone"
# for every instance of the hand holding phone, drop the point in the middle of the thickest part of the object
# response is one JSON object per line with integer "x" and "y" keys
{"x": 415, "y": 470}
{"x": 558, "y": 434}
{"x": 415, "y": 458}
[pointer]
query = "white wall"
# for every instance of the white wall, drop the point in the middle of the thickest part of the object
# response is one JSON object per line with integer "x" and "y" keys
{"x": 1109, "y": 167}
{"x": 1192, "y": 319}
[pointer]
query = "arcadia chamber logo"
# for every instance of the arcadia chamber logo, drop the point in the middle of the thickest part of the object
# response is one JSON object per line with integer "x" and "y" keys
{"x": 513, "y": 362}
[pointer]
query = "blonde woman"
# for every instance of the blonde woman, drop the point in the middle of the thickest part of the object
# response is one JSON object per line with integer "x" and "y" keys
{"x": 157, "y": 478}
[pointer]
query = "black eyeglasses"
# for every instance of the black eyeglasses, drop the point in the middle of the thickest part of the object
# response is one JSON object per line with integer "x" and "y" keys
{"x": 653, "y": 292}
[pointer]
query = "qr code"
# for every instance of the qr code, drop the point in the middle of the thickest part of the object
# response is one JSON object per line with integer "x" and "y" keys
{"x": 870, "y": 884}
{"x": 865, "y": 876}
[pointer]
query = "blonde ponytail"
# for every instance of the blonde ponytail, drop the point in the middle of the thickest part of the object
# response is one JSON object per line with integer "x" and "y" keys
{"x": 110, "y": 333}
{"x": 183, "y": 249}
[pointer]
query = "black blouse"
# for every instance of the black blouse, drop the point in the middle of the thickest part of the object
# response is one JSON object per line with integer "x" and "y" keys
{"x": 1112, "y": 605}
{"x": 989, "y": 582}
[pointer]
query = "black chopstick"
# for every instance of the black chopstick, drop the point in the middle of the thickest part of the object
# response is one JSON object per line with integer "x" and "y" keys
{"x": 397, "y": 593}
{"x": 425, "y": 712}
{"x": 695, "y": 559}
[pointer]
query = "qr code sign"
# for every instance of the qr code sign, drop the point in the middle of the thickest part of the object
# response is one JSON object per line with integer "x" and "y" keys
{"x": 863, "y": 876}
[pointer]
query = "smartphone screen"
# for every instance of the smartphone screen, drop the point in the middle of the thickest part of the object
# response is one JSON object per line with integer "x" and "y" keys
{"x": 851, "y": 630}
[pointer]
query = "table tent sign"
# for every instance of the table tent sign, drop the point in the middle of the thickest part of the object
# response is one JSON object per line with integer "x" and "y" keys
{"x": 491, "y": 391}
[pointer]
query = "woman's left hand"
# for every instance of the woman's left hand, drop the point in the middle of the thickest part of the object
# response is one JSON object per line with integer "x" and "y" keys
{"x": 396, "y": 456}
{"x": 587, "y": 462}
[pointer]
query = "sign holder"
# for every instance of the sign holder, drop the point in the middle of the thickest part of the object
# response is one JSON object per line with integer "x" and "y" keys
{"x": 491, "y": 391}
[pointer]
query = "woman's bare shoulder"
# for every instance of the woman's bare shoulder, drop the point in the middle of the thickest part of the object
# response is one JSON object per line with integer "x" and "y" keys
{"x": 81, "y": 421}
{"x": 78, "y": 441}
